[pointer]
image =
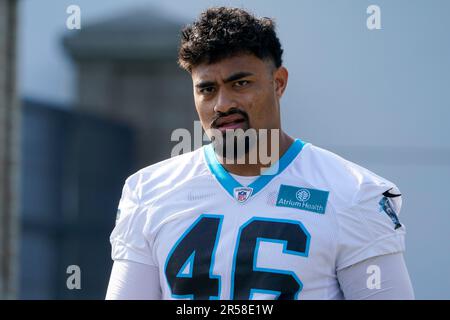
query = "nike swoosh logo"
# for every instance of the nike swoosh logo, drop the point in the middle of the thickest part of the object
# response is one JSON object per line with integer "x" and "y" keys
{"x": 391, "y": 195}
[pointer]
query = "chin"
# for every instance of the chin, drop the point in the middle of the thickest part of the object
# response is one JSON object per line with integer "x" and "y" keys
{"x": 241, "y": 145}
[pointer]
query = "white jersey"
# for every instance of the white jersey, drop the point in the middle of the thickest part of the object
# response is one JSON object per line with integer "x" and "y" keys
{"x": 284, "y": 236}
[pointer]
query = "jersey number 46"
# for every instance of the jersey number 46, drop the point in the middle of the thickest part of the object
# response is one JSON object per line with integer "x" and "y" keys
{"x": 190, "y": 264}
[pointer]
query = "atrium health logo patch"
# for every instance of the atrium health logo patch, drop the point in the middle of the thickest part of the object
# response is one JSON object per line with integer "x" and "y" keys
{"x": 313, "y": 200}
{"x": 303, "y": 195}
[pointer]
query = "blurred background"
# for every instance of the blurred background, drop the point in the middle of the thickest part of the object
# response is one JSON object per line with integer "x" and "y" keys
{"x": 82, "y": 109}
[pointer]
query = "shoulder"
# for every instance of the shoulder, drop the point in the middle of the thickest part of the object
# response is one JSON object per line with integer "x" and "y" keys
{"x": 348, "y": 182}
{"x": 166, "y": 174}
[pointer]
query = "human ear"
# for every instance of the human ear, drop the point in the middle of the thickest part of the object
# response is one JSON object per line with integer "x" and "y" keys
{"x": 280, "y": 78}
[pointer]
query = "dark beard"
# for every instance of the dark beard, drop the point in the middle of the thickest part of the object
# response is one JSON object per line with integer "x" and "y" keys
{"x": 236, "y": 151}
{"x": 220, "y": 147}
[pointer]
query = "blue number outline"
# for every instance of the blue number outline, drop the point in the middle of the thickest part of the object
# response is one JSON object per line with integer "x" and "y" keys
{"x": 255, "y": 253}
{"x": 213, "y": 254}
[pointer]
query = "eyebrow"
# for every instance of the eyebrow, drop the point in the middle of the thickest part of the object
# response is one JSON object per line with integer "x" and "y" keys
{"x": 233, "y": 77}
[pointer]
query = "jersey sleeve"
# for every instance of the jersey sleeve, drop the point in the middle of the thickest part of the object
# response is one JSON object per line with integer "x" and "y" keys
{"x": 369, "y": 226}
{"x": 384, "y": 277}
{"x": 133, "y": 281}
{"x": 128, "y": 239}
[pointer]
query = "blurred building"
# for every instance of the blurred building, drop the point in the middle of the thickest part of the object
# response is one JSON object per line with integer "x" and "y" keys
{"x": 127, "y": 71}
{"x": 73, "y": 169}
{"x": 131, "y": 96}
{"x": 377, "y": 97}
{"x": 9, "y": 151}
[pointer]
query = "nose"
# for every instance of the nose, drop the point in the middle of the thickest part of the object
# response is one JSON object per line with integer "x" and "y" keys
{"x": 224, "y": 102}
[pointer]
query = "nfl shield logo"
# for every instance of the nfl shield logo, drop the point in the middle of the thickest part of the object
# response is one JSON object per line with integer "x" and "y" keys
{"x": 242, "y": 194}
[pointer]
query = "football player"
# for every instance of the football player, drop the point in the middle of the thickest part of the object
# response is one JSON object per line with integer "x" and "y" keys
{"x": 311, "y": 226}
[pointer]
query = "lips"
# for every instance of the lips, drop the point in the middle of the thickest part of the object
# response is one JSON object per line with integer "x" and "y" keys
{"x": 233, "y": 121}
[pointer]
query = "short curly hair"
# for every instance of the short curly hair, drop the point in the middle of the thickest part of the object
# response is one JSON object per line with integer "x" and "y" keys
{"x": 222, "y": 32}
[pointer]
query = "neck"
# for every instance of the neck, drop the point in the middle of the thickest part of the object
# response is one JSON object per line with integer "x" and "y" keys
{"x": 256, "y": 169}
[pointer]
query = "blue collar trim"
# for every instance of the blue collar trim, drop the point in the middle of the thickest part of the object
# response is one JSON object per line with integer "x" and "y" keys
{"x": 229, "y": 183}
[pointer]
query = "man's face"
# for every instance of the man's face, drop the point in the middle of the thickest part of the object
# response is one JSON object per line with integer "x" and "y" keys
{"x": 239, "y": 92}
